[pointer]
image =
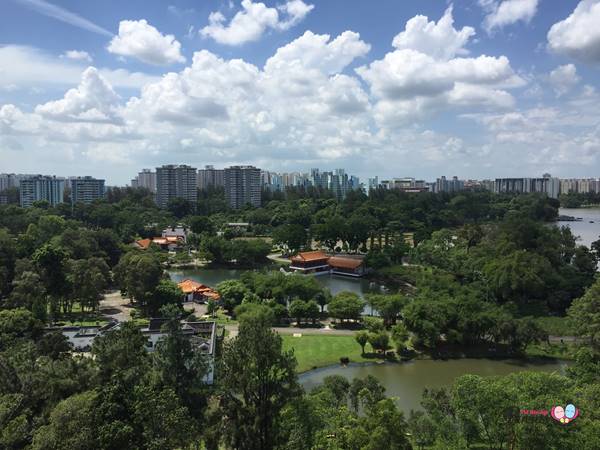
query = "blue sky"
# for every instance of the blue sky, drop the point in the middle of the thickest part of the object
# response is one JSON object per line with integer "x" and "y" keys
{"x": 478, "y": 89}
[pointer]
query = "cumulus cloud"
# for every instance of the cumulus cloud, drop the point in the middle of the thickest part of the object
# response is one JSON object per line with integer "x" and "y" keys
{"x": 314, "y": 51}
{"x": 507, "y": 12}
{"x": 563, "y": 79}
{"x": 138, "y": 39}
{"x": 13, "y": 121}
{"x": 77, "y": 55}
{"x": 93, "y": 100}
{"x": 578, "y": 36}
{"x": 564, "y": 137}
{"x": 424, "y": 73}
{"x": 253, "y": 20}
{"x": 438, "y": 40}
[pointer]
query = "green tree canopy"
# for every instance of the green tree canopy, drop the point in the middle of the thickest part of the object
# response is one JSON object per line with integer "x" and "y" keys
{"x": 259, "y": 380}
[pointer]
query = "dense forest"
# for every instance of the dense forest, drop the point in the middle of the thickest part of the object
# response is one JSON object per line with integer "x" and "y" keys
{"x": 482, "y": 269}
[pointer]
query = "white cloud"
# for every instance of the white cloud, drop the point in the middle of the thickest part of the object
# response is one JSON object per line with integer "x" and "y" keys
{"x": 139, "y": 39}
{"x": 546, "y": 139}
{"x": 314, "y": 51}
{"x": 439, "y": 40}
{"x": 424, "y": 75}
{"x": 578, "y": 36}
{"x": 27, "y": 66}
{"x": 563, "y": 79}
{"x": 253, "y": 20}
{"x": 64, "y": 15}
{"x": 77, "y": 55}
{"x": 13, "y": 121}
{"x": 507, "y": 12}
{"x": 296, "y": 11}
{"x": 93, "y": 100}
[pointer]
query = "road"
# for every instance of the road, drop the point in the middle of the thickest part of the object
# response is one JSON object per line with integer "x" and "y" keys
{"x": 116, "y": 307}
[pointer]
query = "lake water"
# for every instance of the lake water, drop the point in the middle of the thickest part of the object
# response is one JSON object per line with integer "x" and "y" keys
{"x": 587, "y": 232}
{"x": 407, "y": 380}
{"x": 335, "y": 283}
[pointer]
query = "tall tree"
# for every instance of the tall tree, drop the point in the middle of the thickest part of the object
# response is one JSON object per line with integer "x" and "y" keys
{"x": 138, "y": 275}
{"x": 88, "y": 278}
{"x": 178, "y": 364}
{"x": 70, "y": 425}
{"x": 259, "y": 379}
{"x": 292, "y": 236}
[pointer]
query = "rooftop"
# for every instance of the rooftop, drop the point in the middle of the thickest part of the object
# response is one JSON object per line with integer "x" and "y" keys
{"x": 345, "y": 263}
{"x": 310, "y": 256}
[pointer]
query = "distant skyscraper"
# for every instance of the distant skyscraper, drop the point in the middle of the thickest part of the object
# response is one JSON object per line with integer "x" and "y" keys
{"x": 242, "y": 186}
{"x": 173, "y": 181}
{"x": 39, "y": 188}
{"x": 145, "y": 179}
{"x": 210, "y": 177}
{"x": 86, "y": 189}
{"x": 271, "y": 181}
{"x": 373, "y": 183}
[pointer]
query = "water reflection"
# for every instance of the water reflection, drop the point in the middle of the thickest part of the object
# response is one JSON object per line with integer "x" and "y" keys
{"x": 407, "y": 380}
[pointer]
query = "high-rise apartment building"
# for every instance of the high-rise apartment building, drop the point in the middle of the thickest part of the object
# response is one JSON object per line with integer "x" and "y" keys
{"x": 444, "y": 185}
{"x": 145, "y": 179}
{"x": 8, "y": 180}
{"x": 547, "y": 185}
{"x": 242, "y": 186}
{"x": 175, "y": 181}
{"x": 11, "y": 180}
{"x": 209, "y": 177}
{"x": 39, "y": 188}
{"x": 86, "y": 189}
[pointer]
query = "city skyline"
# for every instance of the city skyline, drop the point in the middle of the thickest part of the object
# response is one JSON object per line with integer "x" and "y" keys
{"x": 410, "y": 87}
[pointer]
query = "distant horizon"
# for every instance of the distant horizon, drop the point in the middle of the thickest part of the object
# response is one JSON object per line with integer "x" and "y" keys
{"x": 363, "y": 180}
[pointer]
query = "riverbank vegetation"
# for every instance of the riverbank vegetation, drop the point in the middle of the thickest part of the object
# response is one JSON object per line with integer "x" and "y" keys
{"x": 579, "y": 200}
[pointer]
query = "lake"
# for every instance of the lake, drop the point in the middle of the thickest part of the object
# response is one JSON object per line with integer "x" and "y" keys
{"x": 407, "y": 380}
{"x": 335, "y": 283}
{"x": 587, "y": 232}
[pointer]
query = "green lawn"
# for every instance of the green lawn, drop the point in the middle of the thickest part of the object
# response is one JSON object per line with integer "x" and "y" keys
{"x": 314, "y": 351}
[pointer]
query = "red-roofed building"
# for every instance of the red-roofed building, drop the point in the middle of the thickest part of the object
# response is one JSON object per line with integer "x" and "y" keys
{"x": 165, "y": 243}
{"x": 318, "y": 262}
{"x": 197, "y": 292}
{"x": 347, "y": 266}
{"x": 143, "y": 243}
{"x": 310, "y": 262}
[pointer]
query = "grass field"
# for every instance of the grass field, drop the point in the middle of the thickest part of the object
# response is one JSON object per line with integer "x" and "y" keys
{"x": 314, "y": 351}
